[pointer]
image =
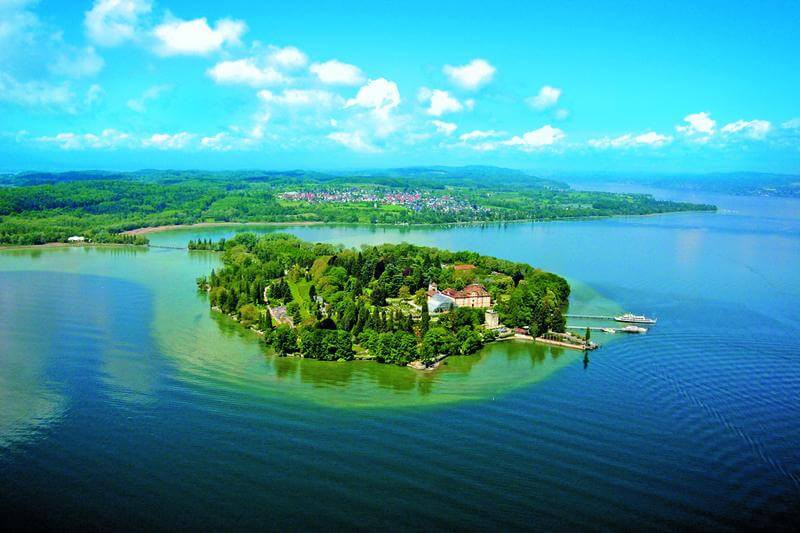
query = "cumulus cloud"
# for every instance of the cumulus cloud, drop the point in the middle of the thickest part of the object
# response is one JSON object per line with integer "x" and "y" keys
{"x": 78, "y": 63}
{"x": 442, "y": 127}
{"x": 535, "y": 139}
{"x": 36, "y": 93}
{"x": 335, "y": 72}
{"x": 379, "y": 95}
{"x": 246, "y": 72}
{"x": 791, "y": 124}
{"x": 112, "y": 22}
{"x": 547, "y": 97}
{"x": 221, "y": 142}
{"x": 107, "y": 139}
{"x": 698, "y": 125}
{"x": 440, "y": 102}
{"x": 196, "y": 37}
{"x": 479, "y": 134}
{"x": 93, "y": 94}
{"x": 140, "y": 104}
{"x": 168, "y": 141}
{"x": 288, "y": 57}
{"x": 355, "y": 141}
{"x": 473, "y": 75}
{"x": 302, "y": 97}
{"x": 629, "y": 140}
{"x": 752, "y": 129}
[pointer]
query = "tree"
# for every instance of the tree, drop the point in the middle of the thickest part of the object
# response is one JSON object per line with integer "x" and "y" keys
{"x": 404, "y": 347}
{"x": 284, "y": 340}
{"x": 425, "y": 320}
{"x": 378, "y": 295}
{"x": 469, "y": 341}
{"x": 249, "y": 314}
{"x": 293, "y": 309}
{"x": 588, "y": 334}
{"x": 438, "y": 341}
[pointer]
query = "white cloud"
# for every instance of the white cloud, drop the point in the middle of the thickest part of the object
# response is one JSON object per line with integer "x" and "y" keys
{"x": 196, "y": 37}
{"x": 355, "y": 141}
{"x": 652, "y": 138}
{"x": 221, "y": 142}
{"x": 629, "y": 140}
{"x": 378, "y": 95}
{"x": 479, "y": 134}
{"x": 445, "y": 128}
{"x": 547, "y": 97}
{"x": 288, "y": 57}
{"x": 302, "y": 97}
{"x": 79, "y": 63}
{"x": 699, "y": 125}
{"x": 36, "y": 93}
{"x": 441, "y": 102}
{"x": 473, "y": 75}
{"x": 111, "y": 22}
{"x": 335, "y": 72}
{"x": 535, "y": 139}
{"x": 107, "y": 139}
{"x": 791, "y": 124}
{"x": 752, "y": 129}
{"x": 246, "y": 72}
{"x": 93, "y": 94}
{"x": 167, "y": 141}
{"x": 140, "y": 104}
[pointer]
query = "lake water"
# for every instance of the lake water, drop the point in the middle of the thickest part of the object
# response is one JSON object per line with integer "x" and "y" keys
{"x": 125, "y": 403}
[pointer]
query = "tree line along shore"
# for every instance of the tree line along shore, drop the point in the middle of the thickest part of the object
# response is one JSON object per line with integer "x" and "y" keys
{"x": 326, "y": 302}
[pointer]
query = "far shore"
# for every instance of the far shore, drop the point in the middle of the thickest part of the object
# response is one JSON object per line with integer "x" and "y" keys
{"x": 156, "y": 229}
{"x": 170, "y": 227}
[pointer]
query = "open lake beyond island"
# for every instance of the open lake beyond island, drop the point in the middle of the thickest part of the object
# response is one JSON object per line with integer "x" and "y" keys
{"x": 125, "y": 399}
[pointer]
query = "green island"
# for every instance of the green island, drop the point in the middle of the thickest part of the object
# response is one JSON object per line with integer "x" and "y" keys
{"x": 400, "y": 304}
{"x": 103, "y": 207}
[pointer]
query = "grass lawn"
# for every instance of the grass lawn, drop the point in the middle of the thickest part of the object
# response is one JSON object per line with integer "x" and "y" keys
{"x": 299, "y": 292}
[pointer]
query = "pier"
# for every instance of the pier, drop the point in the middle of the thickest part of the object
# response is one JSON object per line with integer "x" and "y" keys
{"x": 598, "y": 328}
{"x": 593, "y": 317}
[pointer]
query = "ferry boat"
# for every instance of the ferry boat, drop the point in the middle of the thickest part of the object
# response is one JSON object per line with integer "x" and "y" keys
{"x": 636, "y": 319}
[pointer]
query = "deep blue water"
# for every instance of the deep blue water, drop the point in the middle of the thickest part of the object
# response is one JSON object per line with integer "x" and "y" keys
{"x": 108, "y": 420}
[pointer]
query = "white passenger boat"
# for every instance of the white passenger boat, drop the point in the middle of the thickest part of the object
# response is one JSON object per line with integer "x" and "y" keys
{"x": 636, "y": 319}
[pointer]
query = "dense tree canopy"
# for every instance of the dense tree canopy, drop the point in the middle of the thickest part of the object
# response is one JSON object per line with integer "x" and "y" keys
{"x": 327, "y": 297}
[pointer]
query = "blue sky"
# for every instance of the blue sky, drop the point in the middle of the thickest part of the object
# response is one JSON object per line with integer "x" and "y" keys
{"x": 555, "y": 86}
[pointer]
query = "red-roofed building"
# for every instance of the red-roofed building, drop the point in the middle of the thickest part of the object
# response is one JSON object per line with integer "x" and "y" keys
{"x": 471, "y": 296}
{"x": 463, "y": 267}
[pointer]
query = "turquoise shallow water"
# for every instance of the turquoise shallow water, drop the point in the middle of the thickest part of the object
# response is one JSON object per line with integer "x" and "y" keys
{"x": 125, "y": 403}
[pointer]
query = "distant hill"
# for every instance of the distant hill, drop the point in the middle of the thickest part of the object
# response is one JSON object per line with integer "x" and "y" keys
{"x": 477, "y": 177}
{"x": 737, "y": 183}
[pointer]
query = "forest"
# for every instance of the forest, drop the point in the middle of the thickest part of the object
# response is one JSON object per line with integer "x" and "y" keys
{"x": 41, "y": 208}
{"x": 327, "y": 302}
